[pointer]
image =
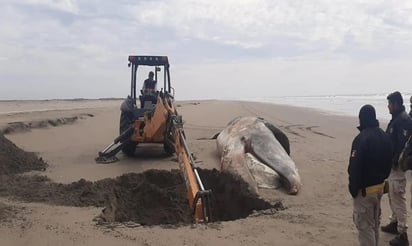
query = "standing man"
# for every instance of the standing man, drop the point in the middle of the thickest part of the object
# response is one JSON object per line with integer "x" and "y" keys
{"x": 369, "y": 166}
{"x": 398, "y": 129}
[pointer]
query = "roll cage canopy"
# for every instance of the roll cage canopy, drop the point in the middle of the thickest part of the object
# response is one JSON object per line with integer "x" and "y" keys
{"x": 149, "y": 60}
{"x": 157, "y": 62}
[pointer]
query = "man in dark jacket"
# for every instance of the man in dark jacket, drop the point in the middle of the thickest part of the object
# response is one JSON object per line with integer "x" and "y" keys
{"x": 149, "y": 85}
{"x": 369, "y": 166}
{"x": 399, "y": 129}
{"x": 410, "y": 112}
{"x": 148, "y": 91}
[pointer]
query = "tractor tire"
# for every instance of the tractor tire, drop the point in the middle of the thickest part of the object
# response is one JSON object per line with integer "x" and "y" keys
{"x": 125, "y": 122}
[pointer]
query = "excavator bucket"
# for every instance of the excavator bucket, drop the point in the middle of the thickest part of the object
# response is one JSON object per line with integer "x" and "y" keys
{"x": 105, "y": 159}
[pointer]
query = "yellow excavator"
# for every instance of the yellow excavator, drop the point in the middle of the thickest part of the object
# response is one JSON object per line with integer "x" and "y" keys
{"x": 156, "y": 120}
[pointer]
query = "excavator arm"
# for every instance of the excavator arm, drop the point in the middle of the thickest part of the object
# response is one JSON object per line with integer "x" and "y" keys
{"x": 199, "y": 198}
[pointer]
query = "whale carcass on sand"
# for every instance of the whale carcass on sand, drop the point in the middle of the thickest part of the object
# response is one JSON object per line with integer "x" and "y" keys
{"x": 258, "y": 152}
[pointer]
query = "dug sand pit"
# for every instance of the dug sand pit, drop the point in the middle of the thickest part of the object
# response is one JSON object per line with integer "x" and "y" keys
{"x": 15, "y": 160}
{"x": 232, "y": 196}
{"x": 155, "y": 197}
{"x": 160, "y": 198}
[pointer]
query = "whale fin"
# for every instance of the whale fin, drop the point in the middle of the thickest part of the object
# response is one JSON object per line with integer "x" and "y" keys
{"x": 279, "y": 135}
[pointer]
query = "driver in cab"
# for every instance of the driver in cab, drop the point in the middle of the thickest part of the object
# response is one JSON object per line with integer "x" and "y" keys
{"x": 149, "y": 85}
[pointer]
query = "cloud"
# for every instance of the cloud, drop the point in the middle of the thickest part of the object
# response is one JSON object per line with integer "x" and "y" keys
{"x": 70, "y": 6}
{"x": 256, "y": 23}
{"x": 83, "y": 45}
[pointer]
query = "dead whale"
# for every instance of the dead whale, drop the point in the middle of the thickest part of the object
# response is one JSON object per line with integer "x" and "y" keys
{"x": 258, "y": 152}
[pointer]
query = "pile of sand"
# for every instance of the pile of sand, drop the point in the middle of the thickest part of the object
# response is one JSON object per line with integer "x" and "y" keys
{"x": 15, "y": 160}
{"x": 151, "y": 198}
{"x": 21, "y": 126}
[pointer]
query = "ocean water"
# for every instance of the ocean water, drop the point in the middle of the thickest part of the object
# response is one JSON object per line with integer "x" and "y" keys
{"x": 340, "y": 104}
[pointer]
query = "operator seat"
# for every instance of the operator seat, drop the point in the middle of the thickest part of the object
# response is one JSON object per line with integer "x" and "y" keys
{"x": 148, "y": 99}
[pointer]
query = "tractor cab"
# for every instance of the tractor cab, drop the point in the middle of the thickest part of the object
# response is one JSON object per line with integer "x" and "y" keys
{"x": 148, "y": 112}
{"x": 149, "y": 92}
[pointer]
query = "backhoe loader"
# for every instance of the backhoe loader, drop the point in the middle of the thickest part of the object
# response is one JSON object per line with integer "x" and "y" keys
{"x": 155, "y": 120}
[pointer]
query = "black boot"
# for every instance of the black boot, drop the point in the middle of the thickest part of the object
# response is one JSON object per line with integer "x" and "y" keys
{"x": 392, "y": 227}
{"x": 400, "y": 240}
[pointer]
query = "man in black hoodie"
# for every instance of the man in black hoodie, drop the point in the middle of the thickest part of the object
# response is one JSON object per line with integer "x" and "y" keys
{"x": 399, "y": 129}
{"x": 410, "y": 112}
{"x": 369, "y": 166}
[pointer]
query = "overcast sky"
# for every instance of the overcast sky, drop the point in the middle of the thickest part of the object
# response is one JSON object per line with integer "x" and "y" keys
{"x": 217, "y": 49}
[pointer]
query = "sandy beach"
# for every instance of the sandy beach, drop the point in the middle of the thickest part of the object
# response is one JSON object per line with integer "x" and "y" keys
{"x": 321, "y": 214}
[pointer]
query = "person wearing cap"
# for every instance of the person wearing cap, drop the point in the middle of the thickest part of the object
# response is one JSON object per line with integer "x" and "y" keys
{"x": 149, "y": 85}
{"x": 369, "y": 166}
{"x": 399, "y": 129}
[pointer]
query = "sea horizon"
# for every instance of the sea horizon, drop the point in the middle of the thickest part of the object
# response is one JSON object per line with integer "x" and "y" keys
{"x": 338, "y": 104}
{"x": 348, "y": 104}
